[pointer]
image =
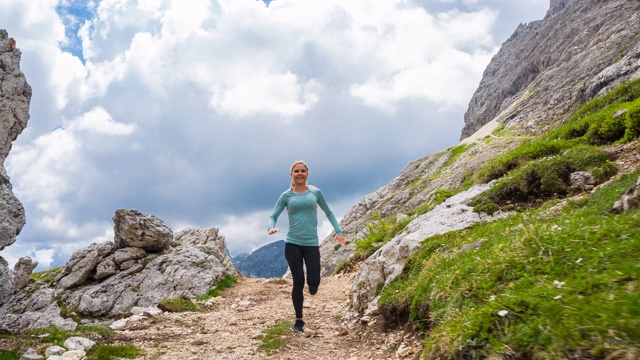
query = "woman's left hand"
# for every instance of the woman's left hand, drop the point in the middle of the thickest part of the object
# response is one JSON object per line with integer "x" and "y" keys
{"x": 340, "y": 239}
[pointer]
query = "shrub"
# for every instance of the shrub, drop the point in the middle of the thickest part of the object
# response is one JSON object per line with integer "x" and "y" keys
{"x": 606, "y": 129}
{"x": 633, "y": 123}
{"x": 177, "y": 305}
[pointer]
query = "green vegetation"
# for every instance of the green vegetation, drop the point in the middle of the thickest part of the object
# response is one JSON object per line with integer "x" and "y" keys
{"x": 42, "y": 338}
{"x": 220, "y": 287}
{"x": 178, "y": 304}
{"x": 557, "y": 280}
{"x": 47, "y": 275}
{"x": 272, "y": 338}
{"x": 108, "y": 352}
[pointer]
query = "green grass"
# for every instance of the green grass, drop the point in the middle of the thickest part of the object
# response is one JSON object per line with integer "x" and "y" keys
{"x": 272, "y": 338}
{"x": 47, "y": 275}
{"x": 567, "y": 278}
{"x": 42, "y": 338}
{"x": 220, "y": 287}
{"x": 178, "y": 305}
{"x": 109, "y": 352}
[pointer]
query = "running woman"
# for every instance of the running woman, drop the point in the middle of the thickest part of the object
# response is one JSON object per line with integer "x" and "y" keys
{"x": 302, "y": 247}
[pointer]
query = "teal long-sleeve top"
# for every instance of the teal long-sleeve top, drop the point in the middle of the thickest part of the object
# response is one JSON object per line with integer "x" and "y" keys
{"x": 303, "y": 215}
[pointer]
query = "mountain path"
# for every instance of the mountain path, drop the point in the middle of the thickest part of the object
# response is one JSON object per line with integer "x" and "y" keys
{"x": 228, "y": 328}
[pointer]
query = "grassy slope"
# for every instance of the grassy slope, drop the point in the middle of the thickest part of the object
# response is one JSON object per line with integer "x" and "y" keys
{"x": 557, "y": 281}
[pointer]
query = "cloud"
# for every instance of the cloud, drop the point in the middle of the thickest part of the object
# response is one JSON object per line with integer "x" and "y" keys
{"x": 193, "y": 111}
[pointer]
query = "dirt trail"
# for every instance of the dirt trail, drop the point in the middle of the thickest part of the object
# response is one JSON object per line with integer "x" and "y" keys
{"x": 228, "y": 329}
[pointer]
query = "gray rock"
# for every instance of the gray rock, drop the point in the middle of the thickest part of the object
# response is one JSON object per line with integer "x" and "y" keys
{"x": 54, "y": 350}
{"x": 31, "y": 354}
{"x": 582, "y": 180}
{"x": 128, "y": 253}
{"x": 136, "y": 229}
{"x": 106, "y": 268}
{"x": 387, "y": 263}
{"x": 7, "y": 280}
{"x": 23, "y": 269}
{"x": 79, "y": 343}
{"x": 82, "y": 265}
{"x": 74, "y": 355}
{"x": 14, "y": 115}
{"x": 630, "y": 199}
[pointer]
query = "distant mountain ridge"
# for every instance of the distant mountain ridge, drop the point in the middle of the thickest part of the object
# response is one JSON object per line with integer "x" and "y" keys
{"x": 265, "y": 262}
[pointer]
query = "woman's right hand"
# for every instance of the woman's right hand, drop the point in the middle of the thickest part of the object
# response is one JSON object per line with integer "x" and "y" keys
{"x": 273, "y": 231}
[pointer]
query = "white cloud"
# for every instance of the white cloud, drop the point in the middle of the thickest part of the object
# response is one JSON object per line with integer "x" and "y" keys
{"x": 99, "y": 121}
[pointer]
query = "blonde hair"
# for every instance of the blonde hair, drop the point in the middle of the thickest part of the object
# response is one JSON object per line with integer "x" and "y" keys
{"x": 291, "y": 172}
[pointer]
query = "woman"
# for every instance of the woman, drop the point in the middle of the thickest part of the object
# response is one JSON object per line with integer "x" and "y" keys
{"x": 302, "y": 245}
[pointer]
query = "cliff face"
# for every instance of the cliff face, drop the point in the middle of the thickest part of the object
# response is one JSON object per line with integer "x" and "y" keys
{"x": 14, "y": 114}
{"x": 581, "y": 49}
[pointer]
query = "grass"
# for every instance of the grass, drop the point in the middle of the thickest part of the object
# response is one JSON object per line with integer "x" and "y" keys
{"x": 560, "y": 278}
{"x": 178, "y": 304}
{"x": 566, "y": 276}
{"x": 272, "y": 338}
{"x": 220, "y": 287}
{"x": 42, "y": 338}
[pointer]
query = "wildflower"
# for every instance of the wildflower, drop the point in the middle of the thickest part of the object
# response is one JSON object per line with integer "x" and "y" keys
{"x": 558, "y": 284}
{"x": 501, "y": 245}
{"x": 455, "y": 250}
{"x": 557, "y": 297}
{"x": 493, "y": 297}
{"x": 503, "y": 312}
{"x": 578, "y": 261}
{"x": 457, "y": 272}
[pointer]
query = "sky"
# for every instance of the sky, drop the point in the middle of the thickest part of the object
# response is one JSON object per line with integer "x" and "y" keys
{"x": 193, "y": 111}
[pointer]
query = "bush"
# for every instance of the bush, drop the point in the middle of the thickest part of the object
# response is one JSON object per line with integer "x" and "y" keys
{"x": 633, "y": 123}
{"x": 177, "y": 305}
{"x": 606, "y": 130}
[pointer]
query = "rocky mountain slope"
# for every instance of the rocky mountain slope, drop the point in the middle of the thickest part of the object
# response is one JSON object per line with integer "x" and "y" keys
{"x": 543, "y": 72}
{"x": 579, "y": 50}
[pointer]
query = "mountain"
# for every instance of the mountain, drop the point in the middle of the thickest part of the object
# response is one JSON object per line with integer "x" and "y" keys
{"x": 265, "y": 262}
{"x": 536, "y": 81}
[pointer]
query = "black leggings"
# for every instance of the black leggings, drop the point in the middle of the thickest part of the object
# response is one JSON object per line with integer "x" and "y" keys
{"x": 296, "y": 255}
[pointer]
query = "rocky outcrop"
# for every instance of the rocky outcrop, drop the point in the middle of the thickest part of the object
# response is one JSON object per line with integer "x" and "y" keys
{"x": 14, "y": 114}
{"x": 386, "y": 264}
{"x": 581, "y": 49}
{"x": 413, "y": 187}
{"x": 139, "y": 269}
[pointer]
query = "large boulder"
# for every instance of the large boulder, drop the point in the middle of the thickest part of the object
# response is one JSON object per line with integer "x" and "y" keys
{"x": 387, "y": 263}
{"x": 135, "y": 229}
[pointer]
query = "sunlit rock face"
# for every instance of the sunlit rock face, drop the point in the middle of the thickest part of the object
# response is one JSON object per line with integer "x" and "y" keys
{"x": 15, "y": 96}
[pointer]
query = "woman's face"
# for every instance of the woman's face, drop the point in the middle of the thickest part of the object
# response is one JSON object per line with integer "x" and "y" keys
{"x": 299, "y": 174}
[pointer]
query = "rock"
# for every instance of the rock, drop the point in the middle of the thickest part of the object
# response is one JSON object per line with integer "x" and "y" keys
{"x": 79, "y": 343}
{"x": 582, "y": 180}
{"x": 106, "y": 268}
{"x": 387, "y": 263}
{"x": 74, "y": 355}
{"x": 23, "y": 269}
{"x": 34, "y": 307}
{"x": 14, "y": 115}
{"x": 54, "y": 350}
{"x": 129, "y": 253}
{"x": 630, "y": 199}
{"x": 31, "y": 354}
{"x": 139, "y": 230}
{"x": 7, "y": 279}
{"x": 83, "y": 264}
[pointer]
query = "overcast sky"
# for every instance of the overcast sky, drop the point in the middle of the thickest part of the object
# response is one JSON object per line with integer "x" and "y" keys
{"x": 193, "y": 111}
